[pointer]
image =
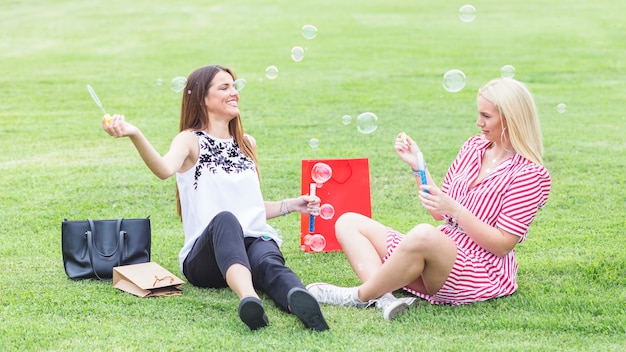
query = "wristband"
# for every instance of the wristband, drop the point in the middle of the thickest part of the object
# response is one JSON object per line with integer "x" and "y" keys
{"x": 284, "y": 209}
{"x": 416, "y": 172}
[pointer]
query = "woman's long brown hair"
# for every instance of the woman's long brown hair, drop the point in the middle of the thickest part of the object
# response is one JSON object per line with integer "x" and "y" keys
{"x": 194, "y": 114}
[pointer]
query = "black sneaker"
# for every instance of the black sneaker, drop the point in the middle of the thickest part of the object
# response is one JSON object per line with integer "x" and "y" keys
{"x": 252, "y": 313}
{"x": 306, "y": 308}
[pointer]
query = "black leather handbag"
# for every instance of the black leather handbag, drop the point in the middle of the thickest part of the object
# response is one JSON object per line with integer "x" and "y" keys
{"x": 91, "y": 248}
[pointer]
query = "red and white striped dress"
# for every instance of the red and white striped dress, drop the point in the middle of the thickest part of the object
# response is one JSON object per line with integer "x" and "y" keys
{"x": 508, "y": 198}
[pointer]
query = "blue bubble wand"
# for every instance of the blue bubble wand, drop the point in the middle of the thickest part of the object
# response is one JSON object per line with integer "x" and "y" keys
{"x": 422, "y": 169}
{"x": 312, "y": 188}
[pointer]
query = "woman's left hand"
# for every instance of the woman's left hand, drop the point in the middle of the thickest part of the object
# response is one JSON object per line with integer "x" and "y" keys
{"x": 436, "y": 201}
{"x": 305, "y": 204}
{"x": 407, "y": 149}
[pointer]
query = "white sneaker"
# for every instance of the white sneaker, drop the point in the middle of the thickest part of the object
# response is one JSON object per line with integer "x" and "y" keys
{"x": 391, "y": 306}
{"x": 410, "y": 301}
{"x": 335, "y": 295}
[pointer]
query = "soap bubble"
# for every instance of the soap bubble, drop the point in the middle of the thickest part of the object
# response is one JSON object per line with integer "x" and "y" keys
{"x": 467, "y": 13}
{"x": 297, "y": 53}
{"x": 271, "y": 72}
{"x": 318, "y": 243}
{"x": 367, "y": 122}
{"x": 327, "y": 211}
{"x": 321, "y": 173}
{"x": 159, "y": 82}
{"x": 177, "y": 84}
{"x": 507, "y": 71}
{"x": 307, "y": 239}
{"x": 240, "y": 84}
{"x": 346, "y": 119}
{"x": 309, "y": 32}
{"x": 454, "y": 81}
{"x": 314, "y": 142}
{"x": 561, "y": 108}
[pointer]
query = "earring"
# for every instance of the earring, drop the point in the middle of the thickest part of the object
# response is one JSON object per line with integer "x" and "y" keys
{"x": 502, "y": 137}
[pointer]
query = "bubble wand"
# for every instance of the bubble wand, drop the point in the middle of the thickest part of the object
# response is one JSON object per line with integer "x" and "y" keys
{"x": 94, "y": 96}
{"x": 422, "y": 169}
{"x": 320, "y": 173}
{"x": 421, "y": 165}
{"x": 313, "y": 186}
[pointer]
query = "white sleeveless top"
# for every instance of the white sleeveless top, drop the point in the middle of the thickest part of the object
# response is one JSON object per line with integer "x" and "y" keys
{"x": 223, "y": 179}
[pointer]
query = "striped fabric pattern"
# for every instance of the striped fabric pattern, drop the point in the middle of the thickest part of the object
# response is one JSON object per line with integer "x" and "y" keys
{"x": 508, "y": 198}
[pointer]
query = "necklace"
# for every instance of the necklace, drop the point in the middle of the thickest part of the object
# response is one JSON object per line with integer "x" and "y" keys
{"x": 496, "y": 160}
{"x": 493, "y": 162}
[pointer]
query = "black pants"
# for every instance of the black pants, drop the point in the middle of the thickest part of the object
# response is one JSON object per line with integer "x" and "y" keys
{"x": 222, "y": 244}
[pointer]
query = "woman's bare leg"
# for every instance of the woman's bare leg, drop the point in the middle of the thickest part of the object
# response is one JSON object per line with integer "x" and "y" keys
{"x": 364, "y": 241}
{"x": 424, "y": 252}
{"x": 239, "y": 279}
{"x": 251, "y": 310}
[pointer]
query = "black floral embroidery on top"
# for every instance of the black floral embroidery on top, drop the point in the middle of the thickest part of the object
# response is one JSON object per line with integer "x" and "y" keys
{"x": 216, "y": 155}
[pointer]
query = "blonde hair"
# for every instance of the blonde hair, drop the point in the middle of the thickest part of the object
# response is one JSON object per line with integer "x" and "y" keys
{"x": 519, "y": 115}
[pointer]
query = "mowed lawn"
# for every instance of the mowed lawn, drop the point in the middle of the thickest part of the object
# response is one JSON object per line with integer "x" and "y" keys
{"x": 385, "y": 57}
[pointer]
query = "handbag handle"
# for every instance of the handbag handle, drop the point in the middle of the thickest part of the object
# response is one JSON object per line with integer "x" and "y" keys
{"x": 92, "y": 245}
{"x": 349, "y": 167}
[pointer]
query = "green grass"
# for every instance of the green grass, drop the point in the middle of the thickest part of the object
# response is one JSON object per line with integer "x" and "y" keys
{"x": 382, "y": 56}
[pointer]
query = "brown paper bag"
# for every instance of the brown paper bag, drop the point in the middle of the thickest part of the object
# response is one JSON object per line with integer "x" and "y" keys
{"x": 146, "y": 280}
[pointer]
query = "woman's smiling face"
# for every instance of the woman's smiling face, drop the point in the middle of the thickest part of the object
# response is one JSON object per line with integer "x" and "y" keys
{"x": 222, "y": 99}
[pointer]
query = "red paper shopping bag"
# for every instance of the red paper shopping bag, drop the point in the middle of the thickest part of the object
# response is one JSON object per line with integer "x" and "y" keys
{"x": 343, "y": 185}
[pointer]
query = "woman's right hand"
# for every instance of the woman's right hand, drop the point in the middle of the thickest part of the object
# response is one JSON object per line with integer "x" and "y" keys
{"x": 407, "y": 149}
{"x": 117, "y": 127}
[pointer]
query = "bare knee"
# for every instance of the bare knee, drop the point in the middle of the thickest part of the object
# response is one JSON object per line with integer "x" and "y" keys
{"x": 346, "y": 224}
{"x": 420, "y": 239}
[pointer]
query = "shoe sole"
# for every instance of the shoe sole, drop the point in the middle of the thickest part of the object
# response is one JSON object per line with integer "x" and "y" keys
{"x": 305, "y": 307}
{"x": 395, "y": 309}
{"x": 251, "y": 312}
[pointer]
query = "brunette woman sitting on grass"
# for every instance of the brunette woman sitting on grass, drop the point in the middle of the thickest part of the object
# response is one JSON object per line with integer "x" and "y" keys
{"x": 228, "y": 242}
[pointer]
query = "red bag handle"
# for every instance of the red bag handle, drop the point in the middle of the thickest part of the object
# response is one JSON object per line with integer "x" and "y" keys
{"x": 349, "y": 174}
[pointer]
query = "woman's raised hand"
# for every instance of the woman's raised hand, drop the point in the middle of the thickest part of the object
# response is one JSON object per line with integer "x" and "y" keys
{"x": 407, "y": 149}
{"x": 117, "y": 126}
